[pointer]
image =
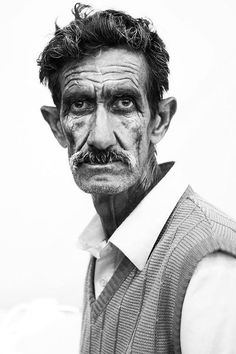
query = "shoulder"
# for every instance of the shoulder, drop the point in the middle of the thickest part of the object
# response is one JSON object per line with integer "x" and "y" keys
{"x": 209, "y": 306}
{"x": 200, "y": 222}
{"x": 198, "y": 229}
{"x": 216, "y": 218}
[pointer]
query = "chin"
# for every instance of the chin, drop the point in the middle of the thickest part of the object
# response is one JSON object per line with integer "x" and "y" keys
{"x": 103, "y": 185}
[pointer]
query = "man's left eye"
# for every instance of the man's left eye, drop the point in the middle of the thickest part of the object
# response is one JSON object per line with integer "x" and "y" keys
{"x": 124, "y": 104}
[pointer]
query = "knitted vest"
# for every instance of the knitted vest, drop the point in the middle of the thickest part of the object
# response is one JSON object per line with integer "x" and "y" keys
{"x": 139, "y": 312}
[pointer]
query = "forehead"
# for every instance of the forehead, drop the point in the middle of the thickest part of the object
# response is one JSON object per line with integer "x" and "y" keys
{"x": 107, "y": 68}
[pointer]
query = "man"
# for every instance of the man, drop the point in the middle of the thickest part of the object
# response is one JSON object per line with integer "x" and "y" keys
{"x": 156, "y": 245}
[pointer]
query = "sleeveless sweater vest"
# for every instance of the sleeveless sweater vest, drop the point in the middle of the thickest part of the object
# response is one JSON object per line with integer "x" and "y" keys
{"x": 139, "y": 312}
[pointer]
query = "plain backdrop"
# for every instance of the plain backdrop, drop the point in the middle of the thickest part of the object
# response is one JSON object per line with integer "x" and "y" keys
{"x": 42, "y": 211}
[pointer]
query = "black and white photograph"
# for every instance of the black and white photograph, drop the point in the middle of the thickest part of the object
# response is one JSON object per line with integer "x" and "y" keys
{"x": 118, "y": 170}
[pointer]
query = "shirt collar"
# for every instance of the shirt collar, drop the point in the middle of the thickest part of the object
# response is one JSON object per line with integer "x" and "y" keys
{"x": 136, "y": 236}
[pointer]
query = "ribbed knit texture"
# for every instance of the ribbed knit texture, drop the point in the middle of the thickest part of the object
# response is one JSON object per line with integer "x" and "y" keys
{"x": 139, "y": 312}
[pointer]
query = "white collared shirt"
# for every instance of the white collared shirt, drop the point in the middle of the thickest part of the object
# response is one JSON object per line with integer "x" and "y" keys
{"x": 148, "y": 219}
{"x": 206, "y": 301}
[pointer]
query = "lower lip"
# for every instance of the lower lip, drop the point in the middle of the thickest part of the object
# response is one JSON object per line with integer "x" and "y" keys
{"x": 109, "y": 167}
{"x": 106, "y": 165}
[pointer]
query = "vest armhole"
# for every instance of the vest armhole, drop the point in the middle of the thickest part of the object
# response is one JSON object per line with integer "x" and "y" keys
{"x": 196, "y": 254}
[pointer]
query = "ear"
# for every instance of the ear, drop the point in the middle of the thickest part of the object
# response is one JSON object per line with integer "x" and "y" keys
{"x": 166, "y": 109}
{"x": 52, "y": 116}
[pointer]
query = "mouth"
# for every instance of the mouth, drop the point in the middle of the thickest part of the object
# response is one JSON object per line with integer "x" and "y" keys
{"x": 102, "y": 165}
{"x": 101, "y": 159}
{"x": 105, "y": 163}
{"x": 111, "y": 168}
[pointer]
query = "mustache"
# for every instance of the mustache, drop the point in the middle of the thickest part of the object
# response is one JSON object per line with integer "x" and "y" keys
{"x": 102, "y": 157}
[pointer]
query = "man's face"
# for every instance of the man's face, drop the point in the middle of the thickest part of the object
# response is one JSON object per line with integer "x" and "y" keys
{"x": 105, "y": 118}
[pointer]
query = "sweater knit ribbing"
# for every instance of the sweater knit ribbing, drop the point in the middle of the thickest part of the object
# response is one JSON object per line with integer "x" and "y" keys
{"x": 140, "y": 311}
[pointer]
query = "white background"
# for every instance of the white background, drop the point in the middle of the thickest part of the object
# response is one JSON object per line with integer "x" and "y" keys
{"x": 42, "y": 211}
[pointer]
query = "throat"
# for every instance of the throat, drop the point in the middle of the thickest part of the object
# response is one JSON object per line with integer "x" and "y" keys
{"x": 114, "y": 209}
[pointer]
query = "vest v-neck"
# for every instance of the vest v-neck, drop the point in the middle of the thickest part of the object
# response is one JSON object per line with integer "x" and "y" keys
{"x": 98, "y": 304}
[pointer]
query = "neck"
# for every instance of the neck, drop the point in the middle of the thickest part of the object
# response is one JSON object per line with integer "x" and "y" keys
{"x": 114, "y": 209}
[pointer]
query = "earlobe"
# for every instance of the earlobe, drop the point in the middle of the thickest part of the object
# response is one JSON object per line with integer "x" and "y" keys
{"x": 166, "y": 109}
{"x": 52, "y": 117}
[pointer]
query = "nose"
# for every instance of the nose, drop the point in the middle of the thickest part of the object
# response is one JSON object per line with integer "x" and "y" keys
{"x": 101, "y": 135}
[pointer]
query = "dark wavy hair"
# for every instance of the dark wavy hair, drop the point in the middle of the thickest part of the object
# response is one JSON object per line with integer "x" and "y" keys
{"x": 92, "y": 31}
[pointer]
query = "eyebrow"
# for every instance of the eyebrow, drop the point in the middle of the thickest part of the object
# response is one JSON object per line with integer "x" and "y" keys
{"x": 77, "y": 93}
{"x": 122, "y": 91}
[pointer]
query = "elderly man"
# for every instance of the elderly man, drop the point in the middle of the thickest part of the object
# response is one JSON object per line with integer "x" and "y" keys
{"x": 162, "y": 267}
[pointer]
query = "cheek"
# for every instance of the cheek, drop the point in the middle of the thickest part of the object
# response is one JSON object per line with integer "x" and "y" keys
{"x": 133, "y": 130}
{"x": 139, "y": 136}
{"x": 75, "y": 131}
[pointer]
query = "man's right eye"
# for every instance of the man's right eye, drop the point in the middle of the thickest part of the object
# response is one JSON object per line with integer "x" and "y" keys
{"x": 80, "y": 106}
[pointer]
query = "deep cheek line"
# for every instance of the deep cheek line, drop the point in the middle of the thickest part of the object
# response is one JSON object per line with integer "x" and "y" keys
{"x": 138, "y": 130}
{"x": 138, "y": 141}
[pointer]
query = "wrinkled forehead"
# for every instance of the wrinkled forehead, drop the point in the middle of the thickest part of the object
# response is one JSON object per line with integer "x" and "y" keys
{"x": 106, "y": 69}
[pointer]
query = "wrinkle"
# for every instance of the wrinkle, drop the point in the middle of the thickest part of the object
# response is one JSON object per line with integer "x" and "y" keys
{"x": 133, "y": 69}
{"x": 74, "y": 84}
{"x": 128, "y": 64}
{"x": 78, "y": 82}
{"x": 79, "y": 147}
{"x": 80, "y": 77}
{"x": 79, "y": 72}
{"x": 121, "y": 79}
